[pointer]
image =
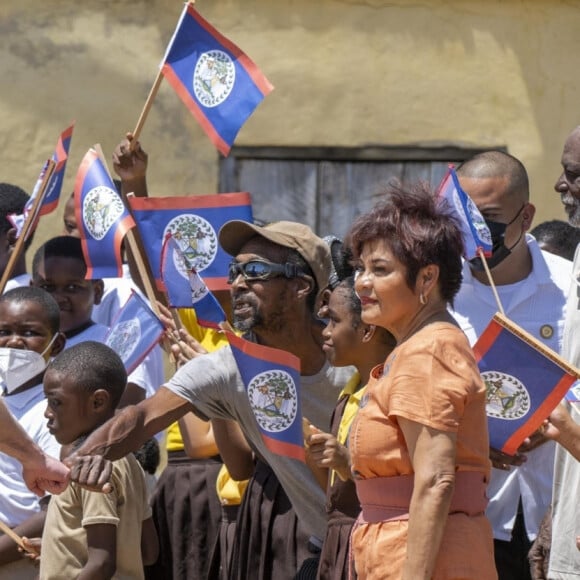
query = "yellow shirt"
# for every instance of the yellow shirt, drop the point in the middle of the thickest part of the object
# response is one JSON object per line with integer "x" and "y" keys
{"x": 229, "y": 490}
{"x": 211, "y": 340}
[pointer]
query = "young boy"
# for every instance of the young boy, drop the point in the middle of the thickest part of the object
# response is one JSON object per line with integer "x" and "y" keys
{"x": 88, "y": 534}
{"x": 29, "y": 336}
{"x": 59, "y": 268}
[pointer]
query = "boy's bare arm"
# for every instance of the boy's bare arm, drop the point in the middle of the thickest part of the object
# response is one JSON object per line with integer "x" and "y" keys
{"x": 102, "y": 552}
{"x": 127, "y": 431}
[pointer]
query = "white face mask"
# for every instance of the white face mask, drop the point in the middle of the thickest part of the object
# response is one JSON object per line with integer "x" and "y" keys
{"x": 17, "y": 366}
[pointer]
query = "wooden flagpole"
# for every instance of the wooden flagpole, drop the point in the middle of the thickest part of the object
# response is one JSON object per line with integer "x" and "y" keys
{"x": 152, "y": 94}
{"x": 12, "y": 535}
{"x": 28, "y": 224}
{"x": 504, "y": 321}
{"x": 491, "y": 282}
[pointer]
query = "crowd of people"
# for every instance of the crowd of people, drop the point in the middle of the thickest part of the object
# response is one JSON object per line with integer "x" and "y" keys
{"x": 399, "y": 479}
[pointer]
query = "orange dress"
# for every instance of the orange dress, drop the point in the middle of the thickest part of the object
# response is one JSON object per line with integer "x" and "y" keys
{"x": 431, "y": 379}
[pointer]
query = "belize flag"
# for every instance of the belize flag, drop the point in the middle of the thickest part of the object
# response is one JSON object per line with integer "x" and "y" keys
{"x": 102, "y": 218}
{"x": 134, "y": 332}
{"x": 54, "y": 186}
{"x": 193, "y": 222}
{"x": 272, "y": 380}
{"x": 185, "y": 288}
{"x": 524, "y": 382}
{"x": 475, "y": 232}
{"x": 217, "y": 82}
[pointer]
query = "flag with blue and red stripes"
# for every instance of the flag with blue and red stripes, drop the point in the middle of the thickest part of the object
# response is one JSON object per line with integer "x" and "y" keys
{"x": 272, "y": 381}
{"x": 102, "y": 218}
{"x": 185, "y": 288}
{"x": 217, "y": 82}
{"x": 134, "y": 331}
{"x": 474, "y": 230}
{"x": 54, "y": 186}
{"x": 524, "y": 381}
{"x": 194, "y": 222}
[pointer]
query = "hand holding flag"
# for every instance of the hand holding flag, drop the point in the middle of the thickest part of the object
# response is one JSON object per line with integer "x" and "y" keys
{"x": 524, "y": 380}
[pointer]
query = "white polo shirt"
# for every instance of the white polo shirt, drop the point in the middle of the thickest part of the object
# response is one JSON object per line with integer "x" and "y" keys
{"x": 17, "y": 502}
{"x": 538, "y": 305}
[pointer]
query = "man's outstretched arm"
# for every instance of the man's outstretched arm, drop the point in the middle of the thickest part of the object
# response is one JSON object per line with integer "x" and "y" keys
{"x": 40, "y": 472}
{"x": 126, "y": 432}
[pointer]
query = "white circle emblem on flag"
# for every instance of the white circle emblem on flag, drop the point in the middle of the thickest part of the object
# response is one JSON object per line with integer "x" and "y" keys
{"x": 506, "y": 396}
{"x": 213, "y": 78}
{"x": 197, "y": 241}
{"x": 101, "y": 209}
{"x": 274, "y": 400}
{"x": 124, "y": 338}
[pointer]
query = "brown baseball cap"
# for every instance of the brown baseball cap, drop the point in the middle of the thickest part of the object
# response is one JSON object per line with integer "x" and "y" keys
{"x": 234, "y": 234}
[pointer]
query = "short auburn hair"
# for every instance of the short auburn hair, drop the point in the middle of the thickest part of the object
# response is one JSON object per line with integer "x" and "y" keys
{"x": 419, "y": 229}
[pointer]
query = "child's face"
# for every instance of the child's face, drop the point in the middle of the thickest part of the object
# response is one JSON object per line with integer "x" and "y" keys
{"x": 64, "y": 278}
{"x": 70, "y": 220}
{"x": 341, "y": 338}
{"x": 68, "y": 408}
{"x": 24, "y": 325}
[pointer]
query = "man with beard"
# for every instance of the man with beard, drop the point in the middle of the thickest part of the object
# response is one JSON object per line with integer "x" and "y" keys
{"x": 564, "y": 425}
{"x": 532, "y": 287}
{"x": 275, "y": 277}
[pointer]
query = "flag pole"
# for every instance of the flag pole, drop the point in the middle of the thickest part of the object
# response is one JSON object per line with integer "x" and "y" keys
{"x": 28, "y": 224}
{"x": 491, "y": 282}
{"x": 12, "y": 535}
{"x": 156, "y": 84}
{"x": 147, "y": 106}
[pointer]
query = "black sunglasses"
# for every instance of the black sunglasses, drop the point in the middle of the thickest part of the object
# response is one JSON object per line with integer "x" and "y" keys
{"x": 262, "y": 270}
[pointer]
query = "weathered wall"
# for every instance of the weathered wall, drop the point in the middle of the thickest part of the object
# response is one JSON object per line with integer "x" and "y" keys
{"x": 346, "y": 73}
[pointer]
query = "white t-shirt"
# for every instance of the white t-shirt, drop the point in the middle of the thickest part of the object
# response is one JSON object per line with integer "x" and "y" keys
{"x": 17, "y": 502}
{"x": 537, "y": 304}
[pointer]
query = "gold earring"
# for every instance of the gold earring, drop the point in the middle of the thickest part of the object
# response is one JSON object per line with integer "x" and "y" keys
{"x": 422, "y": 300}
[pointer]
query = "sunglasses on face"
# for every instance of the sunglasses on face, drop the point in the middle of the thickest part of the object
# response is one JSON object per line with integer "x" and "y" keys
{"x": 262, "y": 270}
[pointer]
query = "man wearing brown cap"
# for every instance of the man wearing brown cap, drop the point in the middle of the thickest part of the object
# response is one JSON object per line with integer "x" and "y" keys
{"x": 275, "y": 277}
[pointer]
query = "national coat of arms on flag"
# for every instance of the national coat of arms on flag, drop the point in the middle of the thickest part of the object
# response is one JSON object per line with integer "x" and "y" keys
{"x": 193, "y": 222}
{"x": 272, "y": 380}
{"x": 474, "y": 230}
{"x": 102, "y": 218}
{"x": 524, "y": 381}
{"x": 185, "y": 288}
{"x": 217, "y": 82}
{"x": 134, "y": 332}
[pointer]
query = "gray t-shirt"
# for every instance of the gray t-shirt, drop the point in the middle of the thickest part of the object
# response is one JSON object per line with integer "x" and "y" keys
{"x": 214, "y": 386}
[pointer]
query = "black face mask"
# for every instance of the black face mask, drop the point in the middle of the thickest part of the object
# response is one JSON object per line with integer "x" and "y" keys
{"x": 499, "y": 250}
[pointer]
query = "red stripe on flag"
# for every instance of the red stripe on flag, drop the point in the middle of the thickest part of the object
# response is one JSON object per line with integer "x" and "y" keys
{"x": 183, "y": 93}
{"x": 486, "y": 340}
{"x": 285, "y": 449}
{"x": 191, "y": 202}
{"x": 262, "y": 352}
{"x": 533, "y": 423}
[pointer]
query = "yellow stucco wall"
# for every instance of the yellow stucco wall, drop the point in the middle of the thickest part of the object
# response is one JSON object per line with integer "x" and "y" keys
{"x": 346, "y": 73}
